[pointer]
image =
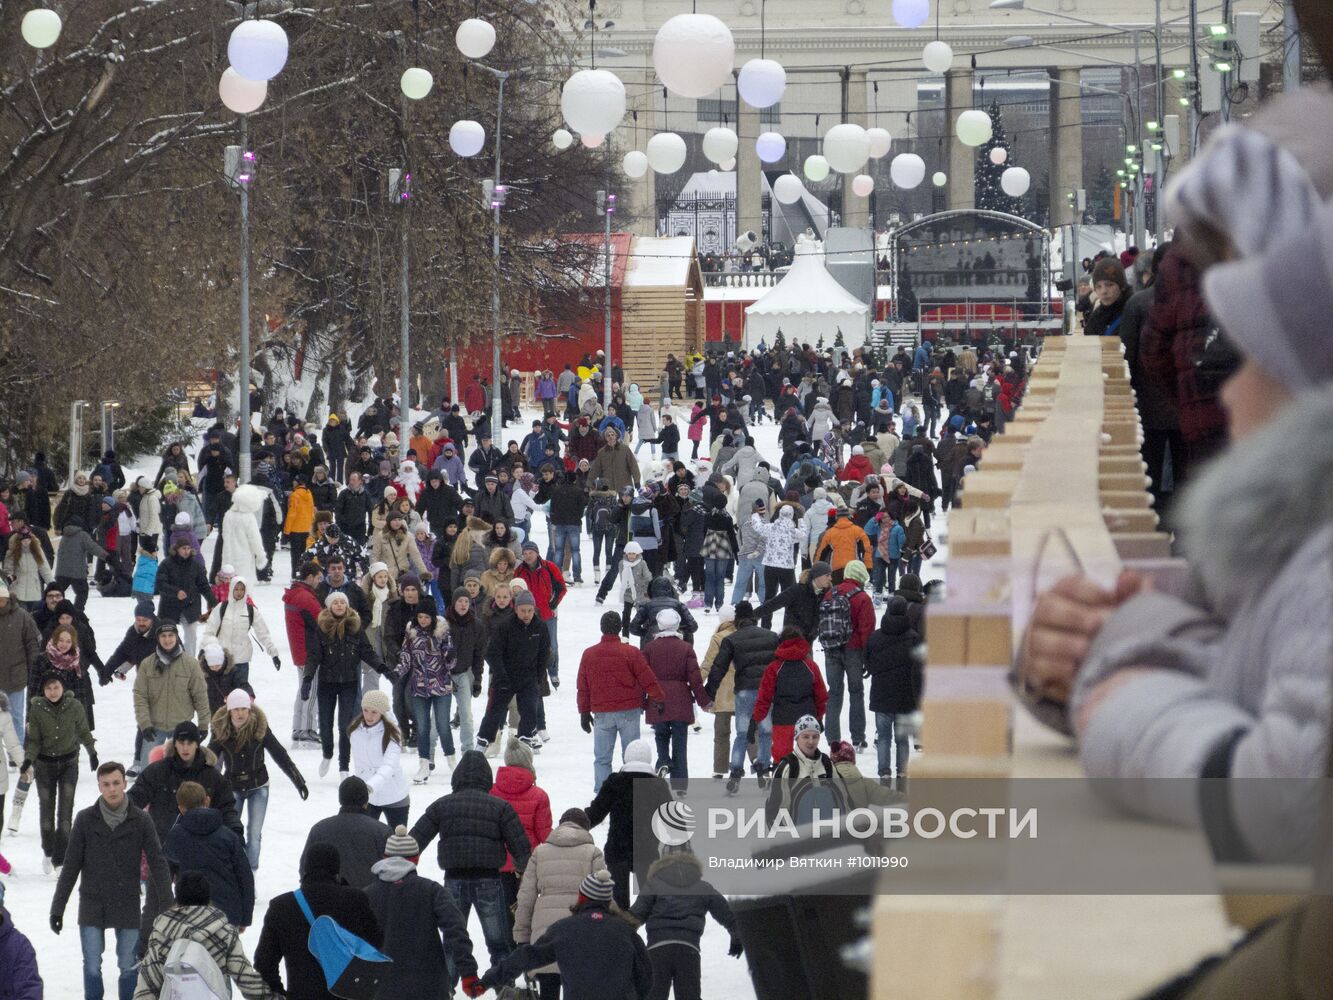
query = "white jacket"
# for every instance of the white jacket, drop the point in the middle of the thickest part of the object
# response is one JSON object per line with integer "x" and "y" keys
{"x": 782, "y": 536}
{"x": 9, "y": 739}
{"x": 150, "y": 509}
{"x": 230, "y": 623}
{"x": 377, "y": 767}
{"x": 242, "y": 545}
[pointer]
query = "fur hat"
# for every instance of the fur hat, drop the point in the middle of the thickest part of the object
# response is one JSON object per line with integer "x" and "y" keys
{"x": 376, "y": 700}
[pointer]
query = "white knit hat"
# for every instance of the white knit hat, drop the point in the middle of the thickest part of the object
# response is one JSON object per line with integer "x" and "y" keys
{"x": 668, "y": 621}
{"x": 214, "y": 654}
{"x": 239, "y": 698}
{"x": 376, "y": 700}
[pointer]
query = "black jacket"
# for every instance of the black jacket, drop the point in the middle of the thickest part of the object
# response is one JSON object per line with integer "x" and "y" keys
{"x": 352, "y": 512}
{"x": 566, "y": 499}
{"x": 414, "y": 912}
{"x": 133, "y": 649}
{"x": 286, "y": 935}
{"x": 518, "y": 653}
{"x": 895, "y": 671}
{"x": 174, "y": 575}
{"x": 630, "y": 837}
{"x": 243, "y": 762}
{"x": 397, "y": 616}
{"x": 439, "y": 504}
{"x": 802, "y": 604}
{"x": 749, "y": 650}
{"x": 475, "y": 827}
{"x": 469, "y": 642}
{"x": 336, "y": 654}
{"x": 105, "y": 862}
{"x": 492, "y": 507}
{"x": 200, "y": 843}
{"x": 325, "y": 495}
{"x": 599, "y": 954}
{"x": 661, "y": 595}
{"x": 676, "y": 899}
{"x": 360, "y": 840}
{"x": 356, "y": 597}
{"x": 155, "y": 789}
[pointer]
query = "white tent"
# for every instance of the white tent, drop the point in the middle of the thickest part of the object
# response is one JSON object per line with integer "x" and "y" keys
{"x": 806, "y": 304}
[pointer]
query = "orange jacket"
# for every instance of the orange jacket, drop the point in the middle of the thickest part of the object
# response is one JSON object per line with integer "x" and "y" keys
{"x": 300, "y": 512}
{"x": 843, "y": 542}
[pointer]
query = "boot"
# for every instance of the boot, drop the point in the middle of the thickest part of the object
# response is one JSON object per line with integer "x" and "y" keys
{"x": 734, "y": 782}
{"x": 492, "y": 750}
{"x": 597, "y": 574}
{"x": 451, "y": 759}
{"x": 342, "y": 776}
{"x": 532, "y": 743}
{"x": 423, "y": 772}
{"x": 324, "y": 765}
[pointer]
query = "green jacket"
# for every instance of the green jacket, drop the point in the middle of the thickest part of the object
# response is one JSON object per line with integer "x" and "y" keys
{"x": 20, "y": 646}
{"x": 165, "y": 695}
{"x": 56, "y": 730}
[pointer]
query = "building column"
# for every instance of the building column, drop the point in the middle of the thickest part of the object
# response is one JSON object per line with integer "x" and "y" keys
{"x": 640, "y": 122}
{"x": 962, "y": 159}
{"x": 1066, "y": 117}
{"x": 855, "y": 210}
{"x": 749, "y": 183}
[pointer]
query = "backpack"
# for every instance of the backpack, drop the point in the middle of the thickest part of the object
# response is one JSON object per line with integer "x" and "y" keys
{"x": 601, "y": 511}
{"x": 189, "y": 973}
{"x": 249, "y": 610}
{"x": 644, "y": 526}
{"x": 353, "y": 969}
{"x": 835, "y": 618}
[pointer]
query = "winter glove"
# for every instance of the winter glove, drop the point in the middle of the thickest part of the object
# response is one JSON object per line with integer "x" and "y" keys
{"x": 711, "y": 692}
{"x": 736, "y": 948}
{"x": 473, "y": 986}
{"x": 103, "y": 680}
{"x": 92, "y": 762}
{"x": 148, "y": 735}
{"x": 57, "y": 923}
{"x": 305, "y": 689}
{"x": 303, "y": 791}
{"x": 25, "y": 772}
{"x": 585, "y": 720}
{"x": 751, "y": 734}
{"x": 277, "y": 663}
{"x": 660, "y": 706}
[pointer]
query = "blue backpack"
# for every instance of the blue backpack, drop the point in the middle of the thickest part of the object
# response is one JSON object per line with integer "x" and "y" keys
{"x": 352, "y": 968}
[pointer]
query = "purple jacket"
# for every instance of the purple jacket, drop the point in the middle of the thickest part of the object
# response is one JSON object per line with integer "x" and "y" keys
{"x": 427, "y": 661}
{"x": 19, "y": 978}
{"x": 676, "y": 668}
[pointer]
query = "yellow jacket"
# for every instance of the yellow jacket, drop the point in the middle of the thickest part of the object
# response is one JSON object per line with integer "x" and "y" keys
{"x": 300, "y": 512}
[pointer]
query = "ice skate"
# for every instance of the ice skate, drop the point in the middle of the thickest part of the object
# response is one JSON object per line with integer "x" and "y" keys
{"x": 324, "y": 766}
{"x": 423, "y": 772}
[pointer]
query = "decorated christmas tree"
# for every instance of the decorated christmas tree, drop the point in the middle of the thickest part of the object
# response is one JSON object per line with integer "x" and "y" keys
{"x": 988, "y": 191}
{"x": 780, "y": 341}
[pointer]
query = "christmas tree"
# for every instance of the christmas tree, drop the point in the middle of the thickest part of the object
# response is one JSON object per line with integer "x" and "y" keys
{"x": 780, "y": 341}
{"x": 819, "y": 345}
{"x": 838, "y": 341}
{"x": 989, "y": 194}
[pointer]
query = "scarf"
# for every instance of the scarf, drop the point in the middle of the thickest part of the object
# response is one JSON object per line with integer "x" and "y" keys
{"x": 114, "y": 817}
{"x": 379, "y": 597}
{"x": 80, "y": 489}
{"x": 65, "y": 662}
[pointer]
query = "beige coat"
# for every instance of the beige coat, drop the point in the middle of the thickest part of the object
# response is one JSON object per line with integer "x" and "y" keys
{"x": 725, "y": 700}
{"x": 26, "y": 564}
{"x": 9, "y": 740}
{"x": 398, "y": 551}
{"x": 551, "y": 882}
{"x": 165, "y": 696}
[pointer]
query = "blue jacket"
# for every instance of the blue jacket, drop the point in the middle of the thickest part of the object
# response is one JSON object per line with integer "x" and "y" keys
{"x": 897, "y": 539}
{"x": 145, "y": 574}
{"x": 534, "y": 448}
{"x": 19, "y": 979}
{"x": 200, "y": 843}
{"x": 921, "y": 357}
{"x": 611, "y": 420}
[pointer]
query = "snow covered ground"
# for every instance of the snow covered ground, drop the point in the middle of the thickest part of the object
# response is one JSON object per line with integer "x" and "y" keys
{"x": 564, "y": 770}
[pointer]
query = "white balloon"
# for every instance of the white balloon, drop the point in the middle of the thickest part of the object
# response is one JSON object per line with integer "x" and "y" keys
{"x": 593, "y": 101}
{"x": 666, "y": 152}
{"x": 862, "y": 185}
{"x": 239, "y": 94}
{"x": 635, "y": 164}
{"x": 973, "y": 128}
{"x": 788, "y": 189}
{"x": 720, "y": 144}
{"x": 475, "y": 37}
{"x": 466, "y": 137}
{"x": 816, "y": 167}
{"x": 591, "y": 140}
{"x": 846, "y": 147}
{"x": 880, "y": 142}
{"x": 762, "y": 82}
{"x": 998, "y": 155}
{"x": 562, "y": 138}
{"x": 771, "y": 147}
{"x": 938, "y": 56}
{"x": 40, "y": 28}
{"x": 911, "y": 13}
{"x": 694, "y": 54}
{"x": 728, "y": 165}
{"x": 1015, "y": 182}
{"x": 940, "y": 179}
{"x": 416, "y": 83}
{"x": 907, "y": 170}
{"x": 257, "y": 49}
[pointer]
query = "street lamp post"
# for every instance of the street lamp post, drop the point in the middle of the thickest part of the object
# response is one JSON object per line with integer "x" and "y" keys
{"x": 497, "y": 200}
{"x": 606, "y": 205}
{"x": 109, "y": 407}
{"x": 400, "y": 190}
{"x": 75, "y": 436}
{"x": 239, "y": 167}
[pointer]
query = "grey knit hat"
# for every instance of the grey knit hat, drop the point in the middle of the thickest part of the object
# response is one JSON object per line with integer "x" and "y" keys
{"x": 597, "y": 886}
{"x": 401, "y": 845}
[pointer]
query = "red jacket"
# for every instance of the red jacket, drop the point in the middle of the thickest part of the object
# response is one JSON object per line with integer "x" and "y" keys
{"x": 518, "y": 787}
{"x": 788, "y": 691}
{"x": 584, "y": 445}
{"x": 300, "y": 606}
{"x": 545, "y": 582}
{"x": 863, "y": 612}
{"x": 856, "y": 469}
{"x": 614, "y": 677}
{"x": 676, "y": 668}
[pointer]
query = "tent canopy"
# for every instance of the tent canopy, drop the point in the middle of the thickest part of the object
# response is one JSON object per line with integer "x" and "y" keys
{"x": 806, "y": 304}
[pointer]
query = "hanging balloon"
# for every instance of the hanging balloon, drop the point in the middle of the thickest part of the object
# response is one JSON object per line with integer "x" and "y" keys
{"x": 635, "y": 164}
{"x": 938, "y": 56}
{"x": 816, "y": 167}
{"x": 862, "y": 185}
{"x": 846, "y": 147}
{"x": 907, "y": 170}
{"x": 694, "y": 54}
{"x": 240, "y": 95}
{"x": 416, "y": 83}
{"x": 880, "y": 142}
{"x": 666, "y": 152}
{"x": 998, "y": 155}
{"x": 1015, "y": 182}
{"x": 974, "y": 128}
{"x": 257, "y": 49}
{"x": 467, "y": 137}
{"x": 762, "y": 82}
{"x": 593, "y": 101}
{"x": 788, "y": 189}
{"x": 728, "y": 165}
{"x": 591, "y": 140}
{"x": 475, "y": 38}
{"x": 720, "y": 144}
{"x": 40, "y": 28}
{"x": 940, "y": 179}
{"x": 911, "y": 13}
{"x": 562, "y": 138}
{"x": 771, "y": 147}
